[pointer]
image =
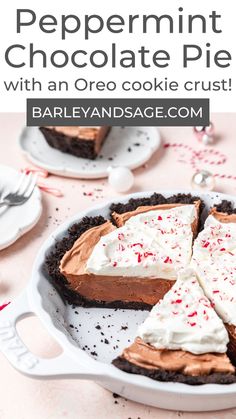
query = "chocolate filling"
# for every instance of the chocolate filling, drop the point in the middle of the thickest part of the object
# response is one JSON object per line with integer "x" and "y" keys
{"x": 52, "y": 269}
{"x": 147, "y": 356}
{"x": 176, "y": 366}
{"x": 107, "y": 288}
{"x": 223, "y": 217}
{"x": 173, "y": 376}
{"x": 231, "y": 329}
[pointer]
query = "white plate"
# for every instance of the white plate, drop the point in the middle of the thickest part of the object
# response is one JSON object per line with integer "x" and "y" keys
{"x": 115, "y": 152}
{"x": 16, "y": 221}
{"x": 42, "y": 299}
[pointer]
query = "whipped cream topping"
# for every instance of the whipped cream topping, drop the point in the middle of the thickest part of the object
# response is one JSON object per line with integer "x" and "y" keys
{"x": 214, "y": 260}
{"x": 185, "y": 320}
{"x": 155, "y": 244}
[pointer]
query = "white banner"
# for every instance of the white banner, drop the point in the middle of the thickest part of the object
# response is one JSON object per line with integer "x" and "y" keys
{"x": 131, "y": 49}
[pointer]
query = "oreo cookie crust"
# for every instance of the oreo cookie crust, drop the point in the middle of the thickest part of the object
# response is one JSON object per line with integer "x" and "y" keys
{"x": 225, "y": 207}
{"x": 174, "y": 377}
{"x": 154, "y": 199}
{"x": 66, "y": 144}
{"x": 52, "y": 261}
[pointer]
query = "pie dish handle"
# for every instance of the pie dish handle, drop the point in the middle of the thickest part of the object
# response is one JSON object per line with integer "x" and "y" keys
{"x": 21, "y": 358}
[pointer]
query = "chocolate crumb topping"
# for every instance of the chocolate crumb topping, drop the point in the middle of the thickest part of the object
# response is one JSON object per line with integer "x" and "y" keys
{"x": 225, "y": 207}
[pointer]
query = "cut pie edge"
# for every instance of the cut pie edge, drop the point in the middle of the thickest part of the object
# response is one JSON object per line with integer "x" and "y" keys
{"x": 169, "y": 355}
{"x": 61, "y": 282}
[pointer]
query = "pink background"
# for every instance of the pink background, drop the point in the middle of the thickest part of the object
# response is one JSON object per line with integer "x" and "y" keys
{"x": 25, "y": 398}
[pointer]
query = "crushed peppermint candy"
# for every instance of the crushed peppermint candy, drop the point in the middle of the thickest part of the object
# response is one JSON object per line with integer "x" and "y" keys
{"x": 218, "y": 265}
{"x": 142, "y": 248}
{"x": 172, "y": 319}
{"x": 168, "y": 260}
{"x": 2, "y": 306}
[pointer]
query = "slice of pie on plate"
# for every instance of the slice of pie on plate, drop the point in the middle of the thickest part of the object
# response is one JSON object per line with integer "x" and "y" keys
{"x": 182, "y": 339}
{"x": 79, "y": 141}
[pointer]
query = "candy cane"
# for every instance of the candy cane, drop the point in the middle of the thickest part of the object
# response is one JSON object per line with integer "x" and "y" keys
{"x": 41, "y": 172}
{"x": 203, "y": 156}
{"x": 48, "y": 189}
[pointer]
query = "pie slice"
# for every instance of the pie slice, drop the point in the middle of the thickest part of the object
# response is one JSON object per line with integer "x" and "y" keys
{"x": 120, "y": 213}
{"x": 181, "y": 340}
{"x": 80, "y": 141}
{"x": 214, "y": 260}
{"x": 131, "y": 266}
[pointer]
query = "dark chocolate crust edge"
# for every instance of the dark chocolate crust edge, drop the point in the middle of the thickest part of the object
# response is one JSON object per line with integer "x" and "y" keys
{"x": 175, "y": 377}
{"x": 154, "y": 199}
{"x": 75, "y": 146}
{"x": 225, "y": 207}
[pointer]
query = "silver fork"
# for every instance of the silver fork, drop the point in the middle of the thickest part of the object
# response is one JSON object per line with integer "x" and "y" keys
{"x": 21, "y": 193}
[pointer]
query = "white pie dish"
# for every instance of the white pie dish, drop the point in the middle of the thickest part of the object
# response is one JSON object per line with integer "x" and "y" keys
{"x": 41, "y": 298}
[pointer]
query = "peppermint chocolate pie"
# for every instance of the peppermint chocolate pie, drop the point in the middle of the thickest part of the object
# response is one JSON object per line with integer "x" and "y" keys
{"x": 132, "y": 266}
{"x": 133, "y": 259}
